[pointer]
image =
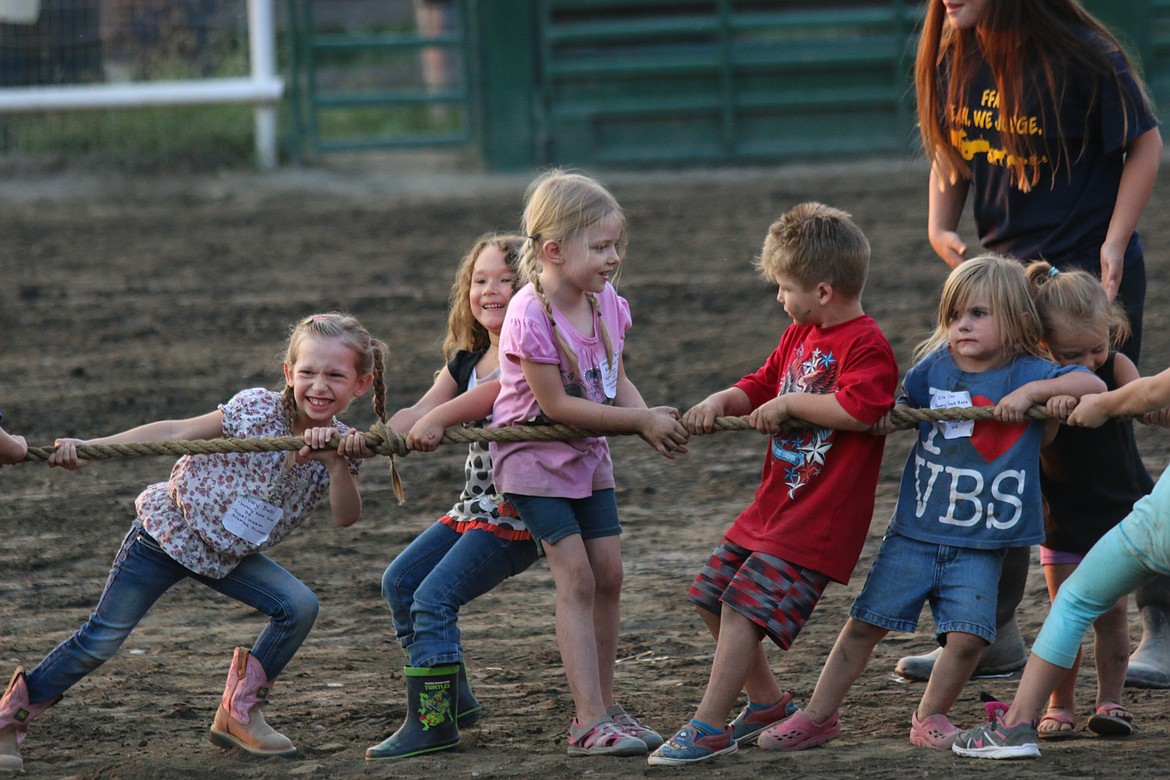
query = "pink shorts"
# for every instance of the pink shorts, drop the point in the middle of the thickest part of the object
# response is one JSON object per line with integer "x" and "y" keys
{"x": 1048, "y": 556}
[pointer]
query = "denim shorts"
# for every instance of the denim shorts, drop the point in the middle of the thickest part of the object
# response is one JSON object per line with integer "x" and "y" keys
{"x": 959, "y": 583}
{"x": 772, "y": 593}
{"x": 550, "y": 518}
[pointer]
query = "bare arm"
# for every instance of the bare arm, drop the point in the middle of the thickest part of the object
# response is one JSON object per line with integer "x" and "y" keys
{"x": 817, "y": 408}
{"x": 1014, "y": 406}
{"x": 1145, "y": 394}
{"x": 475, "y": 404}
{"x": 206, "y": 426}
{"x": 1142, "y": 158}
{"x": 660, "y": 430}
{"x": 944, "y": 208}
{"x": 732, "y": 402}
{"x": 442, "y": 391}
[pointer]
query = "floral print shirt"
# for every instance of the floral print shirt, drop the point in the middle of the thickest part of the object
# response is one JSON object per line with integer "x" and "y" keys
{"x": 185, "y": 514}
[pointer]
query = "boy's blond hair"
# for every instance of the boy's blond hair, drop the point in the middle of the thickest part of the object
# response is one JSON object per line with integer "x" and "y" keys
{"x": 814, "y": 243}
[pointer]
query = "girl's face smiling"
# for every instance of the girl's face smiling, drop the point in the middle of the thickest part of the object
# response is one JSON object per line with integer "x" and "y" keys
{"x": 324, "y": 379}
{"x": 967, "y": 14}
{"x": 592, "y": 258}
{"x": 973, "y": 334}
{"x": 492, "y": 286}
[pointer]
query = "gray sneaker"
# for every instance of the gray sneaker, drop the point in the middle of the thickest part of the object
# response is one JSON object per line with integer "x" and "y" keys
{"x": 995, "y": 740}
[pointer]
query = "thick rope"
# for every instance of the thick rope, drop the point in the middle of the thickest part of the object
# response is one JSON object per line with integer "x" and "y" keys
{"x": 385, "y": 441}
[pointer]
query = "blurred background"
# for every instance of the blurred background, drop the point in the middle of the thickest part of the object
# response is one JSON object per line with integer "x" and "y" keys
{"x": 506, "y": 84}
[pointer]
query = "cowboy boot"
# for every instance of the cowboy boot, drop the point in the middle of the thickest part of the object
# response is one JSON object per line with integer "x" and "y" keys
{"x": 431, "y": 703}
{"x": 1149, "y": 666}
{"x": 238, "y": 721}
{"x": 470, "y": 710}
{"x": 16, "y": 712}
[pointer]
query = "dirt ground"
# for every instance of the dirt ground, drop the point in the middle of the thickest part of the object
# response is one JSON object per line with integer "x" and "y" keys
{"x": 125, "y": 300}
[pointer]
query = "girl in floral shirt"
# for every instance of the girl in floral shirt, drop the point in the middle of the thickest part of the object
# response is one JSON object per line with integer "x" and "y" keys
{"x": 213, "y": 518}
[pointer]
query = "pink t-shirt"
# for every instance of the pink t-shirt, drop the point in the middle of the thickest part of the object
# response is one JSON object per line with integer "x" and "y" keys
{"x": 566, "y": 469}
{"x": 185, "y": 514}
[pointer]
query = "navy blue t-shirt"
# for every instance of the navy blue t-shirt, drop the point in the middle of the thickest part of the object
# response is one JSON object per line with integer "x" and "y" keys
{"x": 1065, "y": 217}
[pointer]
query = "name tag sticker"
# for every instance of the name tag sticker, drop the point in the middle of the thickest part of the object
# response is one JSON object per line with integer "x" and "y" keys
{"x": 252, "y": 519}
{"x": 953, "y": 399}
{"x": 609, "y": 377}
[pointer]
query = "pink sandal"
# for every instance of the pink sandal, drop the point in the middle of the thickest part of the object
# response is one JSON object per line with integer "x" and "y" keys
{"x": 936, "y": 732}
{"x": 603, "y": 738}
{"x": 799, "y": 732}
{"x": 1111, "y": 720}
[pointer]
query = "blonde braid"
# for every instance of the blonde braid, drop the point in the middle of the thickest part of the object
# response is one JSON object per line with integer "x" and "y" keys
{"x": 379, "y": 386}
{"x": 291, "y": 413}
{"x": 595, "y": 304}
{"x": 561, "y": 343}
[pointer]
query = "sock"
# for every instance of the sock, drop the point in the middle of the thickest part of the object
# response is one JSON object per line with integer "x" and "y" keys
{"x": 757, "y": 707}
{"x": 706, "y": 729}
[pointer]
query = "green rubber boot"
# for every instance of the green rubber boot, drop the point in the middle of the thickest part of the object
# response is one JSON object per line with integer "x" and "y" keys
{"x": 432, "y": 701}
{"x": 470, "y": 710}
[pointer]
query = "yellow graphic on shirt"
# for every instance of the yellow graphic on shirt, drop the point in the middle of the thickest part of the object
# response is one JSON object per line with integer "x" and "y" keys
{"x": 988, "y": 117}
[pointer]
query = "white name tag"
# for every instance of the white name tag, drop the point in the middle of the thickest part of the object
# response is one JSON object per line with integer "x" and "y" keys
{"x": 952, "y": 399}
{"x": 252, "y": 519}
{"x": 609, "y": 377}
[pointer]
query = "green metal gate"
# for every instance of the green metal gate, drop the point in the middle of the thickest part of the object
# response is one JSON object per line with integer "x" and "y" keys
{"x": 641, "y": 82}
{"x": 369, "y": 85}
{"x": 724, "y": 81}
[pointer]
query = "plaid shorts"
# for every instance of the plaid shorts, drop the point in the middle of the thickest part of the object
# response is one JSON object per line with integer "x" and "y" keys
{"x": 772, "y": 593}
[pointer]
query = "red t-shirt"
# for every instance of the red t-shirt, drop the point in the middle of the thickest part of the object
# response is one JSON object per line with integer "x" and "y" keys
{"x": 815, "y": 501}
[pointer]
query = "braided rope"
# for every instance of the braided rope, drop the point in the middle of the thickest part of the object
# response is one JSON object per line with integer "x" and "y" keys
{"x": 385, "y": 441}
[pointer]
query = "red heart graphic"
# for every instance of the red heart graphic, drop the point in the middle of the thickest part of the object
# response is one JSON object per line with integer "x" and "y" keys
{"x": 993, "y": 438}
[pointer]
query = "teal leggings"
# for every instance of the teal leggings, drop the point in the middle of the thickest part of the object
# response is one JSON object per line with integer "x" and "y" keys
{"x": 1132, "y": 553}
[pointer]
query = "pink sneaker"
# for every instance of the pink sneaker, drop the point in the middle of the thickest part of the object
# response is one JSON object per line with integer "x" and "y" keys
{"x": 936, "y": 732}
{"x": 799, "y": 732}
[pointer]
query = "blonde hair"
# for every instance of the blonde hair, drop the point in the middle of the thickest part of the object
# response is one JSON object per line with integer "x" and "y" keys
{"x": 1025, "y": 44}
{"x": 1002, "y": 281}
{"x": 815, "y": 243}
{"x": 464, "y": 331}
{"x": 559, "y": 206}
{"x": 1075, "y": 298}
{"x": 369, "y": 353}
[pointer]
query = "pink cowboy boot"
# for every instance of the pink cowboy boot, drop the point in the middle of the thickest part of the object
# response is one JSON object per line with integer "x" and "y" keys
{"x": 238, "y": 722}
{"x": 16, "y": 712}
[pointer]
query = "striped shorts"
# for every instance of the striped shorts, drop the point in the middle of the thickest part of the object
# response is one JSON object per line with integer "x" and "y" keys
{"x": 772, "y": 593}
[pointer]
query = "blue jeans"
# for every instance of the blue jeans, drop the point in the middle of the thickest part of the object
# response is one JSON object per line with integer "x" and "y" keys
{"x": 959, "y": 583}
{"x": 439, "y": 572}
{"x": 141, "y": 573}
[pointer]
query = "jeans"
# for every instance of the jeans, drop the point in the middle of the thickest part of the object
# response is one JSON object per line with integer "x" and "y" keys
{"x": 439, "y": 572}
{"x": 141, "y": 573}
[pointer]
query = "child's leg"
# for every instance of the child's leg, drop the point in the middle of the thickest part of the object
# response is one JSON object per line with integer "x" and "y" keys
{"x": 408, "y": 570}
{"x": 759, "y": 682}
{"x": 605, "y": 561}
{"x": 846, "y": 662}
{"x": 141, "y": 573}
{"x": 956, "y": 662}
{"x": 1109, "y": 571}
{"x": 1060, "y": 719}
{"x": 739, "y": 639}
{"x": 476, "y": 563}
{"x": 1111, "y": 648}
{"x": 576, "y": 627}
{"x": 290, "y": 605}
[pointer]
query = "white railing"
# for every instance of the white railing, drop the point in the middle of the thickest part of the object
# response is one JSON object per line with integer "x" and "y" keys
{"x": 263, "y": 89}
